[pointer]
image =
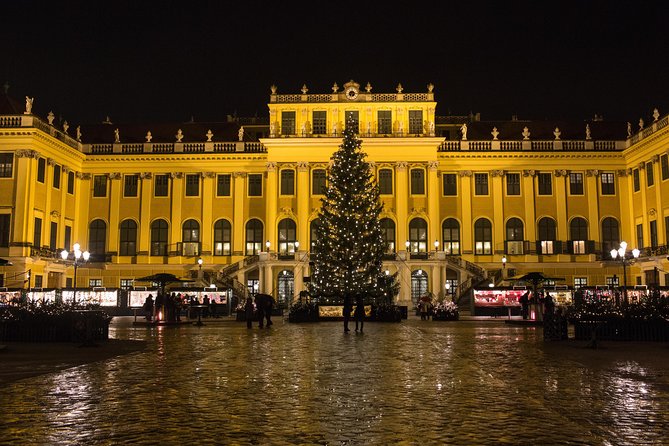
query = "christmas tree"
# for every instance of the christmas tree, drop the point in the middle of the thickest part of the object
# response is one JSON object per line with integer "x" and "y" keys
{"x": 347, "y": 256}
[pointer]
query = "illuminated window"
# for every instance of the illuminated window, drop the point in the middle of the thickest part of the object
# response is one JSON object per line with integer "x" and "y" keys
{"x": 6, "y": 165}
{"x": 159, "y": 234}
{"x": 546, "y": 235}
{"x": 388, "y": 234}
{"x": 254, "y": 237}
{"x": 514, "y": 236}
{"x": 580, "y": 282}
{"x": 418, "y": 236}
{"x": 222, "y": 238}
{"x": 482, "y": 236}
{"x": 287, "y": 236}
{"x": 450, "y": 231}
{"x": 578, "y": 228}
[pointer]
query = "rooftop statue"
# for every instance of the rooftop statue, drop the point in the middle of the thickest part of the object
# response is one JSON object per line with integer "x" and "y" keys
{"x": 148, "y": 136}
{"x": 494, "y": 133}
{"x": 557, "y": 133}
{"x": 588, "y": 136}
{"x": 29, "y": 105}
{"x": 117, "y": 136}
{"x": 240, "y": 134}
{"x": 463, "y": 129}
{"x": 526, "y": 133}
{"x": 179, "y": 135}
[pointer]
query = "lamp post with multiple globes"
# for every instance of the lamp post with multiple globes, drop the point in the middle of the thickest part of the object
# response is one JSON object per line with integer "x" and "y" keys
{"x": 78, "y": 258}
{"x": 625, "y": 258}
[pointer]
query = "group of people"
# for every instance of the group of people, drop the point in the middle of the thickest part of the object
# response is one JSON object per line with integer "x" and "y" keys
{"x": 261, "y": 310}
{"x": 358, "y": 312}
{"x": 167, "y": 307}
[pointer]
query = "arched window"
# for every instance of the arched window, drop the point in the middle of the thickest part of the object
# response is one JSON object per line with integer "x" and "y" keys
{"x": 313, "y": 232}
{"x": 159, "y": 233}
{"x": 254, "y": 229}
{"x": 450, "y": 231}
{"x": 222, "y": 238}
{"x": 418, "y": 285}
{"x": 285, "y": 288}
{"x": 418, "y": 236}
{"x": 482, "y": 236}
{"x": 514, "y": 236}
{"x": 610, "y": 235}
{"x": 578, "y": 230}
{"x": 546, "y": 235}
{"x": 388, "y": 234}
{"x": 97, "y": 238}
{"x": 190, "y": 238}
{"x": 128, "y": 238}
{"x": 287, "y": 236}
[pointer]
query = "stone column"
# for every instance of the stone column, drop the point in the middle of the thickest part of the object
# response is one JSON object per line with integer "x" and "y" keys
{"x": 591, "y": 178}
{"x": 116, "y": 180}
{"x": 271, "y": 203}
{"x": 561, "y": 193}
{"x": 238, "y": 238}
{"x": 401, "y": 204}
{"x": 23, "y": 220}
{"x": 497, "y": 188}
{"x": 303, "y": 204}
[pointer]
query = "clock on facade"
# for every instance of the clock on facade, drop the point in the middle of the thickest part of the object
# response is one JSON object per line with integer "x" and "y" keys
{"x": 351, "y": 93}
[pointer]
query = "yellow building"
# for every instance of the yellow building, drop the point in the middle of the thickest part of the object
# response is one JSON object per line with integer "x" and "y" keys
{"x": 465, "y": 201}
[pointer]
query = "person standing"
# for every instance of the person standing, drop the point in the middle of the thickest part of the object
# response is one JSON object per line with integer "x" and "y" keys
{"x": 347, "y": 311}
{"x": 248, "y": 312}
{"x": 148, "y": 307}
{"x": 260, "y": 308}
{"x": 359, "y": 313}
{"x": 524, "y": 304}
{"x": 269, "y": 306}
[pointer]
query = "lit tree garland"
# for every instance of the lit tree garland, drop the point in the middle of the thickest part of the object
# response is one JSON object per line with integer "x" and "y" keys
{"x": 347, "y": 256}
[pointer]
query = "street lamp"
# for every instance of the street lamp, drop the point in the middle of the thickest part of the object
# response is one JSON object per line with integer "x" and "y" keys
{"x": 624, "y": 257}
{"x": 78, "y": 257}
{"x": 503, "y": 266}
{"x": 267, "y": 244}
{"x": 436, "y": 245}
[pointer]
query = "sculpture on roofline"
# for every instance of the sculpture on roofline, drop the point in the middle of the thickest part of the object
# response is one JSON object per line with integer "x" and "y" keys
{"x": 463, "y": 129}
{"x": 117, "y": 136}
{"x": 29, "y": 105}
{"x": 240, "y": 134}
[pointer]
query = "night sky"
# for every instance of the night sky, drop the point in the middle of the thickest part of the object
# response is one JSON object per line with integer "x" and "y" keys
{"x": 144, "y": 61}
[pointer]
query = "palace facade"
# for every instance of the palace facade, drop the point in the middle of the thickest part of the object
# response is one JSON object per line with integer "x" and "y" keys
{"x": 234, "y": 203}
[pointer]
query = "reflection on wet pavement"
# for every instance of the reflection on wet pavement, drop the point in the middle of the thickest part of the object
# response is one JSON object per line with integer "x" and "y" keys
{"x": 416, "y": 382}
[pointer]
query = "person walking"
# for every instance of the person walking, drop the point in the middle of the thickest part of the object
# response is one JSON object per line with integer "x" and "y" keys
{"x": 347, "y": 311}
{"x": 269, "y": 306}
{"x": 359, "y": 313}
{"x": 248, "y": 312}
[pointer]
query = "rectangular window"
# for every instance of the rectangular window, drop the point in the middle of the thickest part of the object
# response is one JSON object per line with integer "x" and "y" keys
{"x": 580, "y": 282}
{"x": 612, "y": 281}
{"x": 5, "y": 220}
{"x": 53, "y": 236}
{"x": 70, "y": 182}
{"x": 287, "y": 182}
{"x": 41, "y": 169}
{"x": 386, "y": 181}
{"x": 94, "y": 282}
{"x": 320, "y": 122}
{"x": 576, "y": 183}
{"x": 653, "y": 233}
{"x": 127, "y": 284}
{"x": 480, "y": 184}
{"x": 639, "y": 236}
{"x": 56, "y": 176}
{"x": 636, "y": 181}
{"x": 255, "y": 185}
{"x": 415, "y": 122}
{"x": 130, "y": 185}
{"x": 664, "y": 165}
{"x": 288, "y": 123}
{"x": 353, "y": 116}
{"x": 68, "y": 238}
{"x": 192, "y": 185}
{"x": 545, "y": 181}
{"x": 318, "y": 182}
{"x": 100, "y": 185}
{"x": 417, "y": 182}
{"x": 513, "y": 184}
{"x": 385, "y": 122}
{"x": 650, "y": 179}
{"x": 450, "y": 183}
{"x": 6, "y": 165}
{"x": 223, "y": 185}
{"x": 37, "y": 233}
{"x": 38, "y": 281}
{"x": 161, "y": 185}
{"x": 608, "y": 183}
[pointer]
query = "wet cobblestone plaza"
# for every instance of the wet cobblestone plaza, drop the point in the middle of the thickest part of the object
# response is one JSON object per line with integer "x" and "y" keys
{"x": 416, "y": 382}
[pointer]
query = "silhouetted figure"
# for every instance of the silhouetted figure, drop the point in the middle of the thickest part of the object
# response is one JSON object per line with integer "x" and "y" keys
{"x": 205, "y": 302}
{"x": 524, "y": 304}
{"x": 359, "y": 313}
{"x": 269, "y": 306}
{"x": 347, "y": 311}
{"x": 160, "y": 306}
{"x": 148, "y": 307}
{"x": 260, "y": 308}
{"x": 248, "y": 312}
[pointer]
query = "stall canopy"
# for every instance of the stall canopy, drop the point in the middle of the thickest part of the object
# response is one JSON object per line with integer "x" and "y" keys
{"x": 536, "y": 278}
